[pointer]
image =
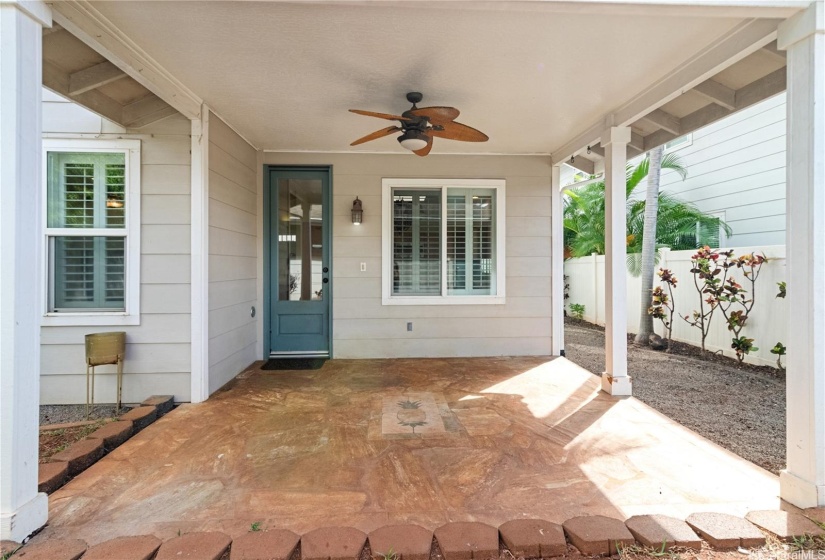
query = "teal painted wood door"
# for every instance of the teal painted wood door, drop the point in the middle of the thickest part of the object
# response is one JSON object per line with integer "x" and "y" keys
{"x": 300, "y": 276}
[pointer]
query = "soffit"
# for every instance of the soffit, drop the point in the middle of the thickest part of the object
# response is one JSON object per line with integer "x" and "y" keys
{"x": 284, "y": 75}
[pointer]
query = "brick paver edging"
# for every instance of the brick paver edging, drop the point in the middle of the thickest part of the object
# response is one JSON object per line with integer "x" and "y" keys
{"x": 595, "y": 534}
{"x": 82, "y": 454}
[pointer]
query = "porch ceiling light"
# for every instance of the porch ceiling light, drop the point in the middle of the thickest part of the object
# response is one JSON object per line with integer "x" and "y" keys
{"x": 413, "y": 140}
{"x": 357, "y": 211}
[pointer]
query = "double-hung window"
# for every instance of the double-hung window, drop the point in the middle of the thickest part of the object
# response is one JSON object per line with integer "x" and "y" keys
{"x": 443, "y": 241}
{"x": 92, "y": 221}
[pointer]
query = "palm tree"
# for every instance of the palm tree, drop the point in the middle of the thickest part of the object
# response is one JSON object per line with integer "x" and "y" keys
{"x": 680, "y": 225}
{"x": 654, "y": 175}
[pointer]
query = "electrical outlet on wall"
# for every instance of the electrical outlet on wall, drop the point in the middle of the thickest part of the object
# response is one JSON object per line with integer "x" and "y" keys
{"x": 363, "y": 267}
{"x": 409, "y": 327}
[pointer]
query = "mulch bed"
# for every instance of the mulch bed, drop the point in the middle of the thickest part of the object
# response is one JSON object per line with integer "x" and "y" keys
{"x": 54, "y": 441}
{"x": 740, "y": 407}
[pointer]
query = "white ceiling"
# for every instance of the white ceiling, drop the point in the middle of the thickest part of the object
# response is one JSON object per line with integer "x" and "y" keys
{"x": 284, "y": 75}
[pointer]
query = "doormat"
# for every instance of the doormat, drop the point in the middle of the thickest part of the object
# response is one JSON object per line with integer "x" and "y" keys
{"x": 294, "y": 363}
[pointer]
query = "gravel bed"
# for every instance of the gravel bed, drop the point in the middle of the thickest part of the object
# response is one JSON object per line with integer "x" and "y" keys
{"x": 63, "y": 413}
{"x": 740, "y": 408}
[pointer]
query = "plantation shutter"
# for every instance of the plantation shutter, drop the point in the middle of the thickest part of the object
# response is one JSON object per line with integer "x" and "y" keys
{"x": 471, "y": 237}
{"x": 86, "y": 191}
{"x": 416, "y": 247}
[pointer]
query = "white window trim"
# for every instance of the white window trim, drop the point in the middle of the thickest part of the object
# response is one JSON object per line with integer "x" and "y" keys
{"x": 688, "y": 142}
{"x": 387, "y": 185}
{"x": 131, "y": 314}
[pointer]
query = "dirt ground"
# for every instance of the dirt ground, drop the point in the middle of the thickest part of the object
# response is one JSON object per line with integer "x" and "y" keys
{"x": 54, "y": 441}
{"x": 740, "y": 408}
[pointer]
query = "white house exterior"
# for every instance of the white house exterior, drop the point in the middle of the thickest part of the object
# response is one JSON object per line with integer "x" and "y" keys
{"x": 736, "y": 171}
{"x": 215, "y": 226}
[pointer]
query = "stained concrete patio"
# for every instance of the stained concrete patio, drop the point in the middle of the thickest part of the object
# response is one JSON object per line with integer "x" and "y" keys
{"x": 488, "y": 439}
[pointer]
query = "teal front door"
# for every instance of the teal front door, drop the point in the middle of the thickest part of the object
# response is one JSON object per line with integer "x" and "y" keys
{"x": 300, "y": 279}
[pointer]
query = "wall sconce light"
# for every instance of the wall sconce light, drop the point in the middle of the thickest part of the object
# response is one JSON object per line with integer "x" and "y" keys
{"x": 357, "y": 212}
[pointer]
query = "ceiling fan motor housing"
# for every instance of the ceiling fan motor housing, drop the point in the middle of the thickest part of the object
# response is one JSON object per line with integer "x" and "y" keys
{"x": 414, "y": 97}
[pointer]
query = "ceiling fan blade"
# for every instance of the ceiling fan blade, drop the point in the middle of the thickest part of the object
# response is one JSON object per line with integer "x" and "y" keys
{"x": 380, "y": 115}
{"x": 426, "y": 149}
{"x": 377, "y": 134}
{"x": 458, "y": 131}
{"x": 437, "y": 115}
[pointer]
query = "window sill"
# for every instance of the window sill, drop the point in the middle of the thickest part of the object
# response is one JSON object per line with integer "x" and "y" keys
{"x": 444, "y": 300}
{"x": 89, "y": 319}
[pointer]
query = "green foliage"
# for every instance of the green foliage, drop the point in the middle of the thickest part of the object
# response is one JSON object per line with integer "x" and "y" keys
{"x": 680, "y": 225}
{"x": 577, "y": 310}
{"x": 711, "y": 277}
{"x": 390, "y": 555}
{"x": 255, "y": 527}
{"x": 779, "y": 350}
{"x": 708, "y": 274}
{"x": 662, "y": 304}
{"x": 742, "y": 345}
{"x": 782, "y": 290}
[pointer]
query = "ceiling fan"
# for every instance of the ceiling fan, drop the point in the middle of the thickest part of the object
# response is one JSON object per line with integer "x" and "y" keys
{"x": 420, "y": 125}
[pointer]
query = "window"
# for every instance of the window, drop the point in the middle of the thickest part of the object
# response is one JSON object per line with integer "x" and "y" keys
{"x": 443, "y": 241}
{"x": 715, "y": 237}
{"x": 92, "y": 221}
{"x": 679, "y": 143}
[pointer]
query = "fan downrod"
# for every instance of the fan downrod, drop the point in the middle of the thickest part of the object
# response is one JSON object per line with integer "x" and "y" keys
{"x": 414, "y": 97}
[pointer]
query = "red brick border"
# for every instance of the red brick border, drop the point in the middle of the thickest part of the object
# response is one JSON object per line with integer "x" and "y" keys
{"x": 593, "y": 534}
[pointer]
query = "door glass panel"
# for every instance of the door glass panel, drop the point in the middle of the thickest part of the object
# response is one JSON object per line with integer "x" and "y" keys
{"x": 300, "y": 240}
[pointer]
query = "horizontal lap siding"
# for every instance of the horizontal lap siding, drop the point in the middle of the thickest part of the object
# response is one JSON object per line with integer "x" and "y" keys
{"x": 364, "y": 328}
{"x": 158, "y": 350}
{"x": 233, "y": 218}
{"x": 737, "y": 166}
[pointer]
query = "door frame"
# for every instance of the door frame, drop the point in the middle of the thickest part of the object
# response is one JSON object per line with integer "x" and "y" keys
{"x": 267, "y": 280}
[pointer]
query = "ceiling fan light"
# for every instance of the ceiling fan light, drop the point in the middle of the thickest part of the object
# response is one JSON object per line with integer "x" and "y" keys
{"x": 413, "y": 140}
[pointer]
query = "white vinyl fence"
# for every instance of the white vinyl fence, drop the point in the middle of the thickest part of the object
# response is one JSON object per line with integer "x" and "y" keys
{"x": 767, "y": 323}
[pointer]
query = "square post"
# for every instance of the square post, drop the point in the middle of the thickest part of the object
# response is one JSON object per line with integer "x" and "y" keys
{"x": 615, "y": 379}
{"x": 199, "y": 382}
{"x": 22, "y": 509}
{"x": 802, "y": 483}
{"x": 557, "y": 262}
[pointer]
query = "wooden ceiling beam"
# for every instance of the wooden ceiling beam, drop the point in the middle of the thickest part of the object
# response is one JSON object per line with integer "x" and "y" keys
{"x": 94, "y": 77}
{"x": 637, "y": 141}
{"x": 761, "y": 89}
{"x": 583, "y": 164}
{"x": 146, "y": 111}
{"x": 664, "y": 120}
{"x": 57, "y": 80}
{"x": 717, "y": 93}
{"x": 85, "y": 22}
{"x": 775, "y": 53}
{"x": 53, "y": 29}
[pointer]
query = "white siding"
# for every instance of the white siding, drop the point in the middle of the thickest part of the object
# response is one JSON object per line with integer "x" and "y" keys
{"x": 364, "y": 328}
{"x": 158, "y": 350}
{"x": 233, "y": 262}
{"x": 736, "y": 169}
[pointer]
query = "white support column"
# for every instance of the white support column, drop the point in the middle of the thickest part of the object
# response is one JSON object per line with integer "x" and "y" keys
{"x": 200, "y": 257}
{"x": 22, "y": 509}
{"x": 557, "y": 262}
{"x": 802, "y": 483}
{"x": 615, "y": 379}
